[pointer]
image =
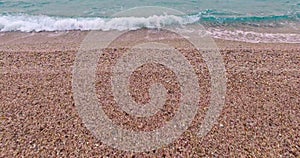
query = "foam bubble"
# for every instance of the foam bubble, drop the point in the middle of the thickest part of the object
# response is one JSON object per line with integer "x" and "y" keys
{"x": 26, "y": 23}
{"x": 254, "y": 37}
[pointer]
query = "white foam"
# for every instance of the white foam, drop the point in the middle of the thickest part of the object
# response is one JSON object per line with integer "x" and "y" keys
{"x": 26, "y": 23}
{"x": 254, "y": 37}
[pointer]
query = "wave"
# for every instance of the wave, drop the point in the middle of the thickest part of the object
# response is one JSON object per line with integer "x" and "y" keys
{"x": 27, "y": 23}
{"x": 231, "y": 17}
{"x": 30, "y": 23}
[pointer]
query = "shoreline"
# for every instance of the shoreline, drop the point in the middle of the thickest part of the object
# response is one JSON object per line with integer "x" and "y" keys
{"x": 70, "y": 40}
{"x": 235, "y": 33}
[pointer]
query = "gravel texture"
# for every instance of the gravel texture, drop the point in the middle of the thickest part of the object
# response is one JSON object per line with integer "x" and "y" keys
{"x": 39, "y": 118}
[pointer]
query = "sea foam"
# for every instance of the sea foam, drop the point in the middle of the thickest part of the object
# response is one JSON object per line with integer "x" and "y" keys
{"x": 26, "y": 23}
{"x": 38, "y": 23}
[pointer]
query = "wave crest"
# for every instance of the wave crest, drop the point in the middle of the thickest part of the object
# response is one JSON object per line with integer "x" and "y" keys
{"x": 45, "y": 23}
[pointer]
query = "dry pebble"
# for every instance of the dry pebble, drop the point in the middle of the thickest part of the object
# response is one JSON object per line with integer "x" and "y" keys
{"x": 39, "y": 118}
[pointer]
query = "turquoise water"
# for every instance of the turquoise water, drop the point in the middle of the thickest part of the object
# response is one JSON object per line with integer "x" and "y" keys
{"x": 229, "y": 17}
{"x": 105, "y": 8}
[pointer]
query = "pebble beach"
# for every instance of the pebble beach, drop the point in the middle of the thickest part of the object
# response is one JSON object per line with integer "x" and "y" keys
{"x": 38, "y": 115}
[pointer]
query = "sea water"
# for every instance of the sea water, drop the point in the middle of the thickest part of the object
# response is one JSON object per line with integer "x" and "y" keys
{"x": 251, "y": 21}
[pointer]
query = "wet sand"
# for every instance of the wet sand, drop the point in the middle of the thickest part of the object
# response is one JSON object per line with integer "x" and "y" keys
{"x": 260, "y": 117}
